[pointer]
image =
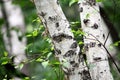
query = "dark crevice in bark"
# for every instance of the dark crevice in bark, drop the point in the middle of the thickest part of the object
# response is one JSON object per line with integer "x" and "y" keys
{"x": 59, "y": 37}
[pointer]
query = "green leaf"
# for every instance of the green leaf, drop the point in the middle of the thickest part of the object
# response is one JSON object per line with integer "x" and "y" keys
{"x": 39, "y": 60}
{"x": 81, "y": 42}
{"x": 5, "y": 53}
{"x": 35, "y": 32}
{"x": 4, "y": 62}
{"x": 99, "y": 0}
{"x": 72, "y": 2}
{"x": 36, "y": 20}
{"x": 21, "y": 66}
{"x": 49, "y": 54}
{"x": 29, "y": 35}
{"x": 116, "y": 43}
{"x": 26, "y": 78}
{"x": 45, "y": 64}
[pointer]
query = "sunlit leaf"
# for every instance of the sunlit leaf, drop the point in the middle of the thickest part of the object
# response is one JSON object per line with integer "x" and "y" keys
{"x": 72, "y": 2}
{"x": 35, "y": 33}
{"x": 45, "y": 64}
{"x": 4, "y": 62}
{"x": 20, "y": 66}
{"x": 5, "y": 53}
{"x": 29, "y": 35}
{"x": 26, "y": 78}
{"x": 49, "y": 54}
{"x": 39, "y": 60}
{"x": 116, "y": 43}
{"x": 81, "y": 42}
{"x": 99, "y": 0}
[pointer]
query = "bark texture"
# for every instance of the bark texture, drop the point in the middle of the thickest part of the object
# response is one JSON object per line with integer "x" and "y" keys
{"x": 94, "y": 38}
{"x": 67, "y": 49}
{"x": 16, "y": 30}
{"x": 13, "y": 32}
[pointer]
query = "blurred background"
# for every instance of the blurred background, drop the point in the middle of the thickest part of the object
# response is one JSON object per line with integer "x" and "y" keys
{"x": 26, "y": 53}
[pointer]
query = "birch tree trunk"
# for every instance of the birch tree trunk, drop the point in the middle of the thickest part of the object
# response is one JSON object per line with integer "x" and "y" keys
{"x": 13, "y": 32}
{"x": 94, "y": 39}
{"x": 66, "y": 48}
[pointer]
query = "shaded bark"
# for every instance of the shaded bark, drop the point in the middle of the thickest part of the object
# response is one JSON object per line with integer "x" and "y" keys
{"x": 94, "y": 38}
{"x": 13, "y": 32}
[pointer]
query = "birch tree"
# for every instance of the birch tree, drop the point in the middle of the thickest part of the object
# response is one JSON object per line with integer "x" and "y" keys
{"x": 13, "y": 32}
{"x": 66, "y": 48}
{"x": 94, "y": 40}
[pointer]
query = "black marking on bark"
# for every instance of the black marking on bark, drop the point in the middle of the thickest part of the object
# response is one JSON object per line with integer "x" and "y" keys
{"x": 84, "y": 56}
{"x": 92, "y": 44}
{"x": 70, "y": 53}
{"x": 72, "y": 69}
{"x": 85, "y": 75}
{"x": 95, "y": 26}
{"x": 92, "y": 2}
{"x": 58, "y": 2}
{"x": 58, "y": 51}
{"x": 74, "y": 45}
{"x": 72, "y": 62}
{"x": 52, "y": 18}
{"x": 69, "y": 27}
{"x": 42, "y": 14}
{"x": 81, "y": 58}
{"x": 57, "y": 24}
{"x": 86, "y": 21}
{"x": 104, "y": 36}
{"x": 81, "y": 9}
{"x": 79, "y": 73}
{"x": 58, "y": 38}
{"x": 75, "y": 65}
{"x": 97, "y": 58}
{"x": 67, "y": 73}
{"x": 101, "y": 72}
{"x": 99, "y": 45}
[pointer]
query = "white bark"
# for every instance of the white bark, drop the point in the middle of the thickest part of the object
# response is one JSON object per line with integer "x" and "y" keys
{"x": 67, "y": 49}
{"x": 109, "y": 41}
{"x": 14, "y": 46}
{"x": 95, "y": 52}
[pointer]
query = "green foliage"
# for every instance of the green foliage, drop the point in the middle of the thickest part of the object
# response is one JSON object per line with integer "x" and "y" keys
{"x": 99, "y": 0}
{"x": 72, "y": 2}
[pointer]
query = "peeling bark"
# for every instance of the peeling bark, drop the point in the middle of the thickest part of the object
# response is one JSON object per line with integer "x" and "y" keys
{"x": 67, "y": 50}
{"x": 94, "y": 38}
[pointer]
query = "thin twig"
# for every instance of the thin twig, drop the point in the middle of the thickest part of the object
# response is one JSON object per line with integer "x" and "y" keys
{"x": 108, "y": 53}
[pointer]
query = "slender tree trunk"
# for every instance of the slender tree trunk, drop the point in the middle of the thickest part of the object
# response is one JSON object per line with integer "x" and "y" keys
{"x": 14, "y": 32}
{"x": 94, "y": 40}
{"x": 67, "y": 49}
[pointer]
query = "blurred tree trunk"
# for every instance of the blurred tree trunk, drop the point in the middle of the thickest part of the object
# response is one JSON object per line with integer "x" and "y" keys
{"x": 94, "y": 40}
{"x": 66, "y": 48}
{"x": 14, "y": 32}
